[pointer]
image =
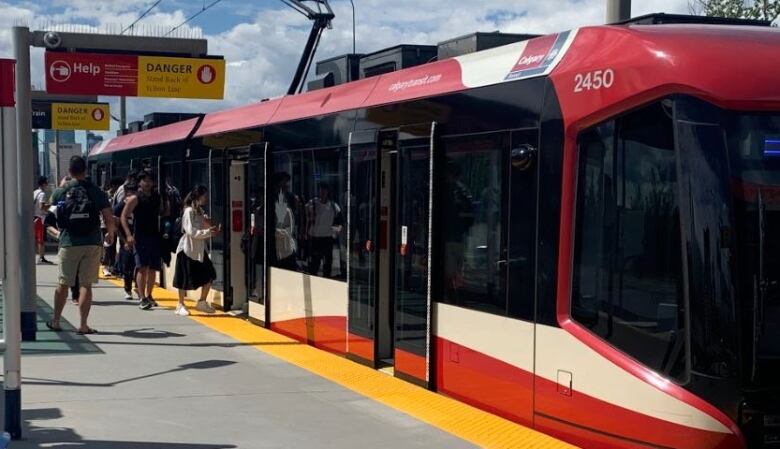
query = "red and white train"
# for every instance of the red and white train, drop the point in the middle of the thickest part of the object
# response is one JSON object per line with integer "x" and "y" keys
{"x": 578, "y": 232}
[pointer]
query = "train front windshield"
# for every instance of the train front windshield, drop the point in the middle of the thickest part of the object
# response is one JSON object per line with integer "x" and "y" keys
{"x": 753, "y": 142}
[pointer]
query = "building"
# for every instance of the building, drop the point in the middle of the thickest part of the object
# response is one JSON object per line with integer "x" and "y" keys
{"x": 47, "y": 139}
{"x": 93, "y": 139}
{"x": 67, "y": 150}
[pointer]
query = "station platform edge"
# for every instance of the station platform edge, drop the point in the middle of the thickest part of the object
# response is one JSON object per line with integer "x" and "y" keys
{"x": 452, "y": 416}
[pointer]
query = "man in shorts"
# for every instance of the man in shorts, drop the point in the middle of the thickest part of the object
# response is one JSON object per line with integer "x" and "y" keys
{"x": 79, "y": 205}
{"x": 41, "y": 209}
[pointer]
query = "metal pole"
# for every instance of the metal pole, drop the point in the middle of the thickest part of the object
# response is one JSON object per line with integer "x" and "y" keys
{"x": 354, "y": 45}
{"x": 618, "y": 10}
{"x": 12, "y": 280}
{"x": 57, "y": 156}
{"x": 122, "y": 115}
{"x": 22, "y": 40}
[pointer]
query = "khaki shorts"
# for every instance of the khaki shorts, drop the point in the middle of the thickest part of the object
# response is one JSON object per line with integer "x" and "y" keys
{"x": 83, "y": 261}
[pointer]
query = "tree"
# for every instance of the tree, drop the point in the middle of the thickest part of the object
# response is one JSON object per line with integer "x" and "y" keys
{"x": 740, "y": 9}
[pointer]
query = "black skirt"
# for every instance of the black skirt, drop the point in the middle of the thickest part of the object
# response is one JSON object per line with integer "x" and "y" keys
{"x": 191, "y": 274}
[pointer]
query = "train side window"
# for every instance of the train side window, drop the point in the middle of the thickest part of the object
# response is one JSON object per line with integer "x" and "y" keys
{"x": 627, "y": 286}
{"x": 474, "y": 221}
{"x": 308, "y": 191}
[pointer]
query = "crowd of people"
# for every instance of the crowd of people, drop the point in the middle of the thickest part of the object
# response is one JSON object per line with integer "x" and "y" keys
{"x": 127, "y": 230}
{"x": 132, "y": 226}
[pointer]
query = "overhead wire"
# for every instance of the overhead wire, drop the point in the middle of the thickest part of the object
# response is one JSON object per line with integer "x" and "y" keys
{"x": 141, "y": 16}
{"x": 205, "y": 8}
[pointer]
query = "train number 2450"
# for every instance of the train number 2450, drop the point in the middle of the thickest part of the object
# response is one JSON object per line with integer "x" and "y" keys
{"x": 598, "y": 79}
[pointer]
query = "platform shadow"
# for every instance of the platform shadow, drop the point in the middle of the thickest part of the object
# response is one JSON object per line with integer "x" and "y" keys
{"x": 203, "y": 364}
{"x": 36, "y": 436}
{"x": 48, "y": 342}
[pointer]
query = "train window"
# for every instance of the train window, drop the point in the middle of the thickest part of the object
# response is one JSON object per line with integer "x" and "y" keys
{"x": 473, "y": 221}
{"x": 627, "y": 283}
{"x": 309, "y": 191}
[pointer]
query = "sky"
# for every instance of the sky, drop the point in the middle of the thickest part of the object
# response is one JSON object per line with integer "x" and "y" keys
{"x": 262, "y": 40}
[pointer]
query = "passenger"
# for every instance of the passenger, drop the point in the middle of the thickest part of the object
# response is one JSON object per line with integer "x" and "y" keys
{"x": 119, "y": 196}
{"x": 170, "y": 228}
{"x": 79, "y": 204}
{"x": 284, "y": 242}
{"x": 108, "y": 258}
{"x": 323, "y": 227}
{"x": 257, "y": 240}
{"x": 146, "y": 207}
{"x": 50, "y": 224}
{"x": 52, "y": 214}
{"x": 460, "y": 217}
{"x": 194, "y": 269}
{"x": 174, "y": 198}
{"x": 41, "y": 207}
{"x": 125, "y": 261}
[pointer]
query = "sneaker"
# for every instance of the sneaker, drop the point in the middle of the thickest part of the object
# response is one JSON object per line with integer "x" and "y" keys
{"x": 182, "y": 311}
{"x": 129, "y": 296}
{"x": 107, "y": 273}
{"x": 137, "y": 294}
{"x": 145, "y": 304}
{"x": 154, "y": 303}
{"x": 44, "y": 261}
{"x": 204, "y": 307}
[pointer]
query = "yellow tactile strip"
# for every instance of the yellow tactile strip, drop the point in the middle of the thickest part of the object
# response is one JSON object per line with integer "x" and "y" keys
{"x": 459, "y": 419}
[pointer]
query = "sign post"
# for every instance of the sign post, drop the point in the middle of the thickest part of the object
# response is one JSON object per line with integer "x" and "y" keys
{"x": 26, "y": 170}
{"x": 10, "y": 244}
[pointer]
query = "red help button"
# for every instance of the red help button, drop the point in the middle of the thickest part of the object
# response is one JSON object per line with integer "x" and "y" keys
{"x": 7, "y": 83}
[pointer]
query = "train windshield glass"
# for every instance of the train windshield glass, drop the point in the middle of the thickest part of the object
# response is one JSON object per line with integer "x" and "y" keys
{"x": 754, "y": 149}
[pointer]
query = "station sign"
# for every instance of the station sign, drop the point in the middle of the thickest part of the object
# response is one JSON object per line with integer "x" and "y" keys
{"x": 134, "y": 76}
{"x": 71, "y": 116}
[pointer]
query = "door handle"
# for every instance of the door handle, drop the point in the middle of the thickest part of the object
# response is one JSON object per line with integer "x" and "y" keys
{"x": 505, "y": 262}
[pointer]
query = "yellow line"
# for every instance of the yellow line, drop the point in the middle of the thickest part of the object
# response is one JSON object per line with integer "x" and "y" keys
{"x": 464, "y": 421}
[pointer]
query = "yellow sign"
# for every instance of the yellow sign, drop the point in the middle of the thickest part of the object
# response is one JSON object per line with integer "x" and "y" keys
{"x": 91, "y": 116}
{"x": 181, "y": 77}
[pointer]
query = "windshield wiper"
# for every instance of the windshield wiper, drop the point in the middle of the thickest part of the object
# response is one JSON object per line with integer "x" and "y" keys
{"x": 759, "y": 284}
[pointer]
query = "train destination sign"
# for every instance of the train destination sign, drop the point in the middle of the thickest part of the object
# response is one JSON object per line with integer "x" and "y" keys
{"x": 134, "y": 76}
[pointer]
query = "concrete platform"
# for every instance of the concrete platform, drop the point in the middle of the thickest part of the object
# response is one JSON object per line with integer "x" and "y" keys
{"x": 153, "y": 380}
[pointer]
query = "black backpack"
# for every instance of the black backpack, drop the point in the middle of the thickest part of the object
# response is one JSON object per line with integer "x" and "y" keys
{"x": 77, "y": 213}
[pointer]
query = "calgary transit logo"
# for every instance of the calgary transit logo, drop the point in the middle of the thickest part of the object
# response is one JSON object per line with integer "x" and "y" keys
{"x": 60, "y": 71}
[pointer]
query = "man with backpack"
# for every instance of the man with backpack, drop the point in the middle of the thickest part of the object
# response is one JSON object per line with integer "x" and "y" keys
{"x": 79, "y": 207}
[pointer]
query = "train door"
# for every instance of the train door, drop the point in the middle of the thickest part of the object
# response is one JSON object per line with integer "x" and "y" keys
{"x": 217, "y": 214}
{"x": 236, "y": 229}
{"x": 253, "y": 241}
{"x": 389, "y": 260}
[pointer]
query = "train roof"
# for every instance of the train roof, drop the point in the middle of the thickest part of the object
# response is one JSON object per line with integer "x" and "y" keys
{"x": 536, "y": 57}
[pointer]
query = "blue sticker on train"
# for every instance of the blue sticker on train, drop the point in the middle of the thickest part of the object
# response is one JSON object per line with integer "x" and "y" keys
{"x": 772, "y": 146}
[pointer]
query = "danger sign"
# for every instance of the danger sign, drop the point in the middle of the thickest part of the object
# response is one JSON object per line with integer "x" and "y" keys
{"x": 181, "y": 77}
{"x": 134, "y": 76}
{"x": 91, "y": 116}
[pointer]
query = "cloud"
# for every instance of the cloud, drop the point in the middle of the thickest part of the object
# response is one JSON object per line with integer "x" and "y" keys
{"x": 263, "y": 50}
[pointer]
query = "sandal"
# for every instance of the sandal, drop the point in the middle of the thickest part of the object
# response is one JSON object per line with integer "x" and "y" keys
{"x": 51, "y": 326}
{"x": 88, "y": 331}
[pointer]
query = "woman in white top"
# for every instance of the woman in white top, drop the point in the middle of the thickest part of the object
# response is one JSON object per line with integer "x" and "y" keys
{"x": 193, "y": 267}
